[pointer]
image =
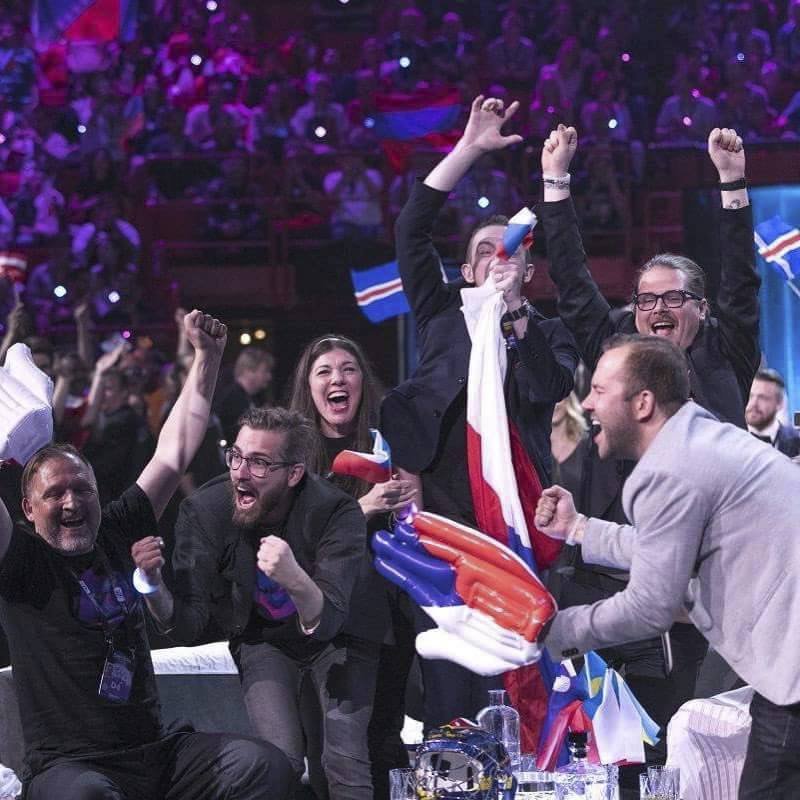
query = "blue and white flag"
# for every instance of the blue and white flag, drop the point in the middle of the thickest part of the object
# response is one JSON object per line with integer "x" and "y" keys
{"x": 779, "y": 245}
{"x": 379, "y": 292}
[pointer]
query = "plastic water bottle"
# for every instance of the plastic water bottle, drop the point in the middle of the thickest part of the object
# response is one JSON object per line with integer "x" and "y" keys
{"x": 580, "y": 780}
{"x": 503, "y": 722}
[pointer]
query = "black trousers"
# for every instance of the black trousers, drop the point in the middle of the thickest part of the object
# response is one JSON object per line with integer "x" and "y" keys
{"x": 181, "y": 766}
{"x": 772, "y": 764}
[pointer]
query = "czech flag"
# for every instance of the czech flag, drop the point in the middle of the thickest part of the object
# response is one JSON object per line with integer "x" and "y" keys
{"x": 374, "y": 467}
{"x": 83, "y": 20}
{"x": 403, "y": 121}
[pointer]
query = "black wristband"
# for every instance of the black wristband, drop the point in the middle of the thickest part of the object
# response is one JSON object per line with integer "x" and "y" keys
{"x": 520, "y": 313}
{"x": 732, "y": 186}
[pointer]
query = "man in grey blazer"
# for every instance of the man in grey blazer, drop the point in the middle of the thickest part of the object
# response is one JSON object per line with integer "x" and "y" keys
{"x": 714, "y": 535}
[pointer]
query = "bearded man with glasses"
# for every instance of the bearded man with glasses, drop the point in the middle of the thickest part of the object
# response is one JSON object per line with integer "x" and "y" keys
{"x": 273, "y": 553}
{"x": 723, "y": 354}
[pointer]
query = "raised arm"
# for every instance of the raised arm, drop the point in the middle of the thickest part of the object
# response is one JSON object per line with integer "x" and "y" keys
{"x": 103, "y": 365}
{"x": 737, "y": 307}
{"x": 82, "y": 318}
{"x": 186, "y": 424}
{"x": 581, "y": 306}
{"x": 419, "y": 263}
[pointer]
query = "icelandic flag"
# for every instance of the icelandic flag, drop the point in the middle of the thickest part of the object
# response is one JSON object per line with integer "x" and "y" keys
{"x": 404, "y": 120}
{"x": 519, "y": 231}
{"x": 501, "y": 475}
{"x": 83, "y": 20}
{"x": 779, "y": 245}
{"x": 374, "y": 467}
{"x": 379, "y": 292}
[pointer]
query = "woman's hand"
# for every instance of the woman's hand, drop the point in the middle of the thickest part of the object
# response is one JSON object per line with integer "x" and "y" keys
{"x": 393, "y": 495}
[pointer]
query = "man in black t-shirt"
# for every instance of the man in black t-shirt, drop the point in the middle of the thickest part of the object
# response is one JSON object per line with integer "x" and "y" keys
{"x": 75, "y": 624}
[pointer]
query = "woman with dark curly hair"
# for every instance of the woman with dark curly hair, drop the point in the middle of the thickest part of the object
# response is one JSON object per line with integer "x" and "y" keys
{"x": 335, "y": 386}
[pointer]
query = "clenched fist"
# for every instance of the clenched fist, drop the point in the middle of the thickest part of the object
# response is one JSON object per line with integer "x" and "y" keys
{"x": 276, "y": 560}
{"x": 555, "y": 513}
{"x": 148, "y": 556}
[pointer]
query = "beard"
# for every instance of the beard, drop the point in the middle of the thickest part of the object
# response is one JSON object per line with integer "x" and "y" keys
{"x": 253, "y": 517}
{"x": 620, "y": 441}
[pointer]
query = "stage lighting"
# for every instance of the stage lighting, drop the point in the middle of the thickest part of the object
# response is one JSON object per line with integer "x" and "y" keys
{"x": 81, "y": 129}
{"x": 60, "y": 291}
{"x": 114, "y": 296}
{"x": 196, "y": 59}
{"x": 245, "y": 338}
{"x": 483, "y": 201}
{"x": 612, "y": 123}
{"x": 404, "y": 62}
{"x": 211, "y": 6}
{"x": 320, "y": 132}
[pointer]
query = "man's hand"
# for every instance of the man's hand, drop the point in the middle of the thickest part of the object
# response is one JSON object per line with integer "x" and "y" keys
{"x": 205, "y": 333}
{"x": 81, "y": 313}
{"x": 109, "y": 360}
{"x": 393, "y": 495}
{"x": 486, "y": 118}
{"x": 559, "y": 148}
{"x": 555, "y": 513}
{"x": 276, "y": 560}
{"x": 148, "y": 556}
{"x": 508, "y": 278}
{"x": 178, "y": 316}
{"x": 727, "y": 153}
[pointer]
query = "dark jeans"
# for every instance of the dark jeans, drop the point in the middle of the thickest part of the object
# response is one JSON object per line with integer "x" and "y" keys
{"x": 450, "y": 691}
{"x": 772, "y": 765}
{"x": 343, "y": 678}
{"x": 182, "y": 766}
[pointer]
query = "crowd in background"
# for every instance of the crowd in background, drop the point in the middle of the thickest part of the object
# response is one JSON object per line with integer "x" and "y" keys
{"x": 195, "y": 107}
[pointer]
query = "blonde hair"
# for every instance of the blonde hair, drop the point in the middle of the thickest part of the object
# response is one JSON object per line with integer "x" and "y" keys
{"x": 574, "y": 418}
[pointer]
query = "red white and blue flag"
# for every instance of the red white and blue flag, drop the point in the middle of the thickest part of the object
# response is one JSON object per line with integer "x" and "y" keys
{"x": 405, "y": 121}
{"x": 501, "y": 477}
{"x": 83, "y": 20}
{"x": 779, "y": 245}
{"x": 374, "y": 467}
{"x": 379, "y": 292}
{"x": 519, "y": 231}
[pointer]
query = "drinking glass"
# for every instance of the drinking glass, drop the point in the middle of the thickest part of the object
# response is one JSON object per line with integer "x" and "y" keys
{"x": 402, "y": 784}
{"x": 660, "y": 783}
{"x": 532, "y": 783}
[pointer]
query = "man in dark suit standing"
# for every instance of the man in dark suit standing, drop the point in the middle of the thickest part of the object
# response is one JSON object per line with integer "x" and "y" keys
{"x": 766, "y": 398}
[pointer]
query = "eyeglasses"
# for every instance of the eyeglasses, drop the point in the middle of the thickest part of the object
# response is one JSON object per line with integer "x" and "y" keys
{"x": 675, "y": 298}
{"x": 258, "y": 467}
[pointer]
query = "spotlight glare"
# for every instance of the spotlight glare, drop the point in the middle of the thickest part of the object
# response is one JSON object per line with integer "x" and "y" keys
{"x": 114, "y": 296}
{"x": 60, "y": 291}
{"x": 126, "y": 334}
{"x": 196, "y": 60}
{"x": 695, "y": 93}
{"x": 81, "y": 129}
{"x": 320, "y": 132}
{"x": 369, "y": 122}
{"x": 612, "y": 123}
{"x": 404, "y": 62}
{"x": 483, "y": 201}
{"x": 687, "y": 121}
{"x": 245, "y": 338}
{"x": 211, "y": 5}
{"x": 740, "y": 56}
{"x": 626, "y": 57}
{"x": 260, "y": 333}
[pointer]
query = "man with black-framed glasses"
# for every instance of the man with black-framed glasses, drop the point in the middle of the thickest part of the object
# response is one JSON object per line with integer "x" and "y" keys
{"x": 273, "y": 554}
{"x": 722, "y": 351}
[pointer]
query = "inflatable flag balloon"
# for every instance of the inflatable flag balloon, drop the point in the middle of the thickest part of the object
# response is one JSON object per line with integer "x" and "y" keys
{"x": 374, "y": 467}
{"x": 488, "y": 605}
{"x": 599, "y": 701}
{"x": 519, "y": 231}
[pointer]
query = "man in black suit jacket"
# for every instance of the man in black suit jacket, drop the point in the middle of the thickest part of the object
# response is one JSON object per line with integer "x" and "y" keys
{"x": 722, "y": 350}
{"x": 424, "y": 419}
{"x": 766, "y": 398}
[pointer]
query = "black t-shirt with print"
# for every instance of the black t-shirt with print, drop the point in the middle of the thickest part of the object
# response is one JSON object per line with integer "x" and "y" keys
{"x": 58, "y": 646}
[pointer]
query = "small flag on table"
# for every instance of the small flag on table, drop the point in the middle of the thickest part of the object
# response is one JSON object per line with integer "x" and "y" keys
{"x": 379, "y": 292}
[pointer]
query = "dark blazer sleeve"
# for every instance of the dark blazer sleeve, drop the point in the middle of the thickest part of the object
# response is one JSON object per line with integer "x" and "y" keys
{"x": 195, "y": 569}
{"x": 338, "y": 563}
{"x": 581, "y": 306}
{"x": 418, "y": 261}
{"x": 548, "y": 358}
{"x": 737, "y": 301}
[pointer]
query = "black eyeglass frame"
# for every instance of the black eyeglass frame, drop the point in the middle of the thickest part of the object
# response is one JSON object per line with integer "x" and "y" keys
{"x": 232, "y": 454}
{"x": 685, "y": 295}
